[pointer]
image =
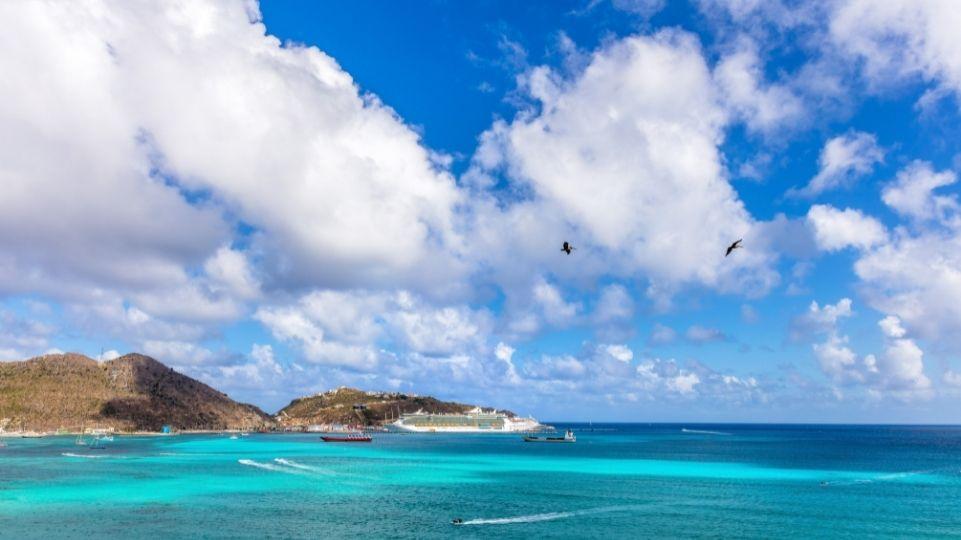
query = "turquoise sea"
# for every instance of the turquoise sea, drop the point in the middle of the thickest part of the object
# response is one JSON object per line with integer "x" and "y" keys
{"x": 617, "y": 481}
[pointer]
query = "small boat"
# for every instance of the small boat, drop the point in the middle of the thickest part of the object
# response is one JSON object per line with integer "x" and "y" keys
{"x": 97, "y": 443}
{"x": 347, "y": 437}
{"x": 457, "y": 521}
{"x": 567, "y": 438}
{"x": 80, "y": 440}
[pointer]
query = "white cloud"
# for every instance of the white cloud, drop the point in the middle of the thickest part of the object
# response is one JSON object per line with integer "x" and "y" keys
{"x": 263, "y": 368}
{"x": 209, "y": 122}
{"x": 293, "y": 325}
{"x": 899, "y": 40}
{"x": 912, "y": 193}
{"x": 839, "y": 362}
{"x": 763, "y": 108}
{"x": 620, "y": 352}
{"x": 901, "y": 366}
{"x": 613, "y": 305}
{"x": 178, "y": 353}
{"x": 918, "y": 278}
{"x": 891, "y": 327}
{"x": 818, "y": 319}
{"x": 897, "y": 372}
{"x": 667, "y": 376}
{"x": 349, "y": 328}
{"x": 554, "y": 308}
{"x": 838, "y": 229}
{"x": 562, "y": 367}
{"x": 230, "y": 270}
{"x": 684, "y": 383}
{"x": 623, "y": 159}
{"x": 505, "y": 353}
{"x": 843, "y": 160}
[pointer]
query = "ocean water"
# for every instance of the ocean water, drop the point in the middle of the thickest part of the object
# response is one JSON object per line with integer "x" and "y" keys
{"x": 618, "y": 481}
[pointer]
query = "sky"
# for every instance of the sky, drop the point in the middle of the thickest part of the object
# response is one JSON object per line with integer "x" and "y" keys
{"x": 284, "y": 197}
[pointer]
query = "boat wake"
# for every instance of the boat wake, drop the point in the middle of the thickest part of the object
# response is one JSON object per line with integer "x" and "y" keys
{"x": 549, "y": 516}
{"x": 269, "y": 466}
{"x": 85, "y": 456}
{"x": 703, "y": 432}
{"x": 880, "y": 478}
{"x": 301, "y": 466}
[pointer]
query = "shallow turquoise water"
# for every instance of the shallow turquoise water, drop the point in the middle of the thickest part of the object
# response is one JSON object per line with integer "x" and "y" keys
{"x": 617, "y": 481}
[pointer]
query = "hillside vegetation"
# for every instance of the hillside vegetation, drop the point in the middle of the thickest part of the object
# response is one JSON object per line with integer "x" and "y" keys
{"x": 133, "y": 392}
{"x": 338, "y": 407}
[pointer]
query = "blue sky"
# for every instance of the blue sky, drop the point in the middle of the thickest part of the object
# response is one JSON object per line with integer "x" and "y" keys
{"x": 286, "y": 197}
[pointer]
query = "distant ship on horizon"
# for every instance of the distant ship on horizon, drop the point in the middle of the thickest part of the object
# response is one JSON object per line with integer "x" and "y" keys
{"x": 476, "y": 420}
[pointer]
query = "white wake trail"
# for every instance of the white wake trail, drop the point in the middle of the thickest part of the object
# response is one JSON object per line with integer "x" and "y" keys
{"x": 269, "y": 466}
{"x": 703, "y": 431}
{"x": 301, "y": 466}
{"x": 84, "y": 456}
{"x": 549, "y": 516}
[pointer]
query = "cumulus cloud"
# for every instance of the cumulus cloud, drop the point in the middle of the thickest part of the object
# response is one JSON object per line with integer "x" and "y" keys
{"x": 820, "y": 319}
{"x": 912, "y": 193}
{"x": 349, "y": 328}
{"x": 838, "y": 229}
{"x": 177, "y": 353}
{"x": 623, "y": 157}
{"x": 210, "y": 122}
{"x": 897, "y": 372}
{"x": 843, "y": 160}
{"x": 918, "y": 278}
{"x": 619, "y": 352}
{"x": 900, "y": 39}
{"x": 763, "y": 107}
{"x": 613, "y": 305}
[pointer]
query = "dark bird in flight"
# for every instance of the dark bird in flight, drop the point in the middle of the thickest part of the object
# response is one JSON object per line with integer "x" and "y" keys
{"x": 732, "y": 247}
{"x": 567, "y": 248}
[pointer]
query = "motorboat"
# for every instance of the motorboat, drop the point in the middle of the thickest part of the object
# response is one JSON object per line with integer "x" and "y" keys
{"x": 567, "y": 438}
{"x": 347, "y": 437}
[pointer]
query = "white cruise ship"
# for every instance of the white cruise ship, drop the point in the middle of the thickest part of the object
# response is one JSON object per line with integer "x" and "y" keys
{"x": 476, "y": 420}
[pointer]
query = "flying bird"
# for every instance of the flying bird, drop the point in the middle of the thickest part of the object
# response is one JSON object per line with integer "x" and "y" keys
{"x": 732, "y": 247}
{"x": 567, "y": 248}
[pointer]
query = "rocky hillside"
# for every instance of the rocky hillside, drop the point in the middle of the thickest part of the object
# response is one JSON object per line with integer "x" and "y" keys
{"x": 353, "y": 406}
{"x": 133, "y": 392}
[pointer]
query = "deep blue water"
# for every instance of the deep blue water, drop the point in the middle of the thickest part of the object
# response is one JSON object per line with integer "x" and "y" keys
{"x": 618, "y": 481}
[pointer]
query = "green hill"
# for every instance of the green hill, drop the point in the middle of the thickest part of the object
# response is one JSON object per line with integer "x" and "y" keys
{"x": 353, "y": 406}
